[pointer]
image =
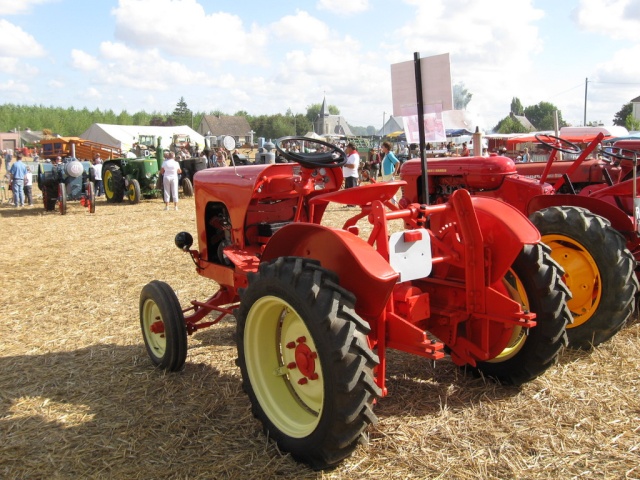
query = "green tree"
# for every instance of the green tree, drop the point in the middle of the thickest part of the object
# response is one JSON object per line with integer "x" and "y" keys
{"x": 620, "y": 118}
{"x": 461, "y": 96}
{"x": 542, "y": 115}
{"x": 509, "y": 125}
{"x": 632, "y": 123}
{"x": 182, "y": 115}
{"x": 314, "y": 110}
{"x": 516, "y": 106}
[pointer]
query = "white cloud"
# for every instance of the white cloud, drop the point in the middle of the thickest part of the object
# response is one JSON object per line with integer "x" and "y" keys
{"x": 13, "y": 87}
{"x": 15, "y": 42}
{"x": 83, "y": 61}
{"x": 343, "y": 7}
{"x": 57, "y": 84}
{"x": 301, "y": 28}
{"x": 617, "y": 19}
{"x": 17, "y": 7}
{"x": 182, "y": 28}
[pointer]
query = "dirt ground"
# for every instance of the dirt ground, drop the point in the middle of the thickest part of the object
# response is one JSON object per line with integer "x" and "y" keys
{"x": 80, "y": 399}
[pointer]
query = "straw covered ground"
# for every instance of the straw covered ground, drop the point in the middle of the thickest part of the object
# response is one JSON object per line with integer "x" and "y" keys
{"x": 80, "y": 399}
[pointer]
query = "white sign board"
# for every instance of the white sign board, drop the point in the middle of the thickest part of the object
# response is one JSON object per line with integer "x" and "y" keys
{"x": 436, "y": 84}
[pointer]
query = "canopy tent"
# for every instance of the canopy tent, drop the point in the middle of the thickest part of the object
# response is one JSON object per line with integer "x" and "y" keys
{"x": 124, "y": 136}
{"x": 313, "y": 135}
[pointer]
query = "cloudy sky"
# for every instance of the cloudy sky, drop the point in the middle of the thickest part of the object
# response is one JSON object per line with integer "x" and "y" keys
{"x": 265, "y": 57}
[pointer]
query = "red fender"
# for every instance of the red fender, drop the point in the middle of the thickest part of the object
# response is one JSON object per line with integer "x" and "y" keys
{"x": 505, "y": 231}
{"x": 620, "y": 221}
{"x": 359, "y": 266}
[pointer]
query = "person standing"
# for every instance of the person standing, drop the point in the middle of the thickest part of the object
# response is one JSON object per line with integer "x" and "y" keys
{"x": 374, "y": 161}
{"x": 8, "y": 155}
{"x": 28, "y": 186}
{"x": 350, "y": 169}
{"x": 390, "y": 163}
{"x": 170, "y": 171}
{"x": 525, "y": 156}
{"x": 97, "y": 175}
{"x": 18, "y": 172}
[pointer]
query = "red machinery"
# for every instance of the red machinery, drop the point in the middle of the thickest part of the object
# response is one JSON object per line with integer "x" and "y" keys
{"x": 318, "y": 307}
{"x": 583, "y": 217}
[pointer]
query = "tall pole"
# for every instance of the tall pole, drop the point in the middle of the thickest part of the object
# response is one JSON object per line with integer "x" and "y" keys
{"x": 421, "y": 136}
{"x": 586, "y": 83}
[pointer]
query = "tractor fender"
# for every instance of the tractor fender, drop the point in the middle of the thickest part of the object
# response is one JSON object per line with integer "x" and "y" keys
{"x": 505, "y": 231}
{"x": 360, "y": 268}
{"x": 619, "y": 220}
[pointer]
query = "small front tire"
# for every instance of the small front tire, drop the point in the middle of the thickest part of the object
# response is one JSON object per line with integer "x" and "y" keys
{"x": 163, "y": 326}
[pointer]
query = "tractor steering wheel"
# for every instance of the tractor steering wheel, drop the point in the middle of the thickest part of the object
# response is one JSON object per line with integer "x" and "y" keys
{"x": 620, "y": 154}
{"x": 564, "y": 145}
{"x": 333, "y": 158}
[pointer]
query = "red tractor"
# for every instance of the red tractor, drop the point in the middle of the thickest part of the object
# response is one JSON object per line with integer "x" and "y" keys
{"x": 586, "y": 218}
{"x": 318, "y": 307}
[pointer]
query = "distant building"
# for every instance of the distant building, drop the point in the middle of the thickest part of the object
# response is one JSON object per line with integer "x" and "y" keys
{"x": 635, "y": 108}
{"x": 220, "y": 126}
{"x": 524, "y": 121}
{"x": 327, "y": 124}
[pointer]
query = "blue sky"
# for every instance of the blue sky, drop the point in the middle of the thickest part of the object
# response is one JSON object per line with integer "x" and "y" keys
{"x": 267, "y": 57}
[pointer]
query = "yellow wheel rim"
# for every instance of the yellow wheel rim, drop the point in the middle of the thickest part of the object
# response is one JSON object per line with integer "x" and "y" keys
{"x": 132, "y": 192}
{"x": 153, "y": 328}
{"x": 283, "y": 366}
{"x": 107, "y": 182}
{"x": 516, "y": 291}
{"x": 581, "y": 276}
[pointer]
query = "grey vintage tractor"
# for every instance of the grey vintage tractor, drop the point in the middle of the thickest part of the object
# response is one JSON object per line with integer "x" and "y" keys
{"x": 70, "y": 180}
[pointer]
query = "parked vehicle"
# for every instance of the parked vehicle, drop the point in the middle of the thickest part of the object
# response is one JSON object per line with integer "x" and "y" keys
{"x": 69, "y": 181}
{"x": 590, "y": 234}
{"x": 317, "y": 308}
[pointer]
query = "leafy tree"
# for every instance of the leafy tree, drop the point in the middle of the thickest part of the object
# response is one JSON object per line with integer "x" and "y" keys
{"x": 632, "y": 123}
{"x": 314, "y": 110}
{"x": 542, "y": 115}
{"x": 620, "y": 118}
{"x": 461, "y": 96}
{"x": 182, "y": 115}
{"x": 516, "y": 106}
{"x": 510, "y": 125}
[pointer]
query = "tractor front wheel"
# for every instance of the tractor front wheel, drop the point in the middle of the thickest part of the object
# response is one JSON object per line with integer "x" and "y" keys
{"x": 305, "y": 361}
{"x": 113, "y": 183}
{"x": 133, "y": 192}
{"x": 533, "y": 281}
{"x": 187, "y": 188}
{"x": 163, "y": 327}
{"x": 599, "y": 271}
{"x": 62, "y": 198}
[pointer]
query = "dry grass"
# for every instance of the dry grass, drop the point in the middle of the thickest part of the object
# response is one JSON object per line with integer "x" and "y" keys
{"x": 79, "y": 398}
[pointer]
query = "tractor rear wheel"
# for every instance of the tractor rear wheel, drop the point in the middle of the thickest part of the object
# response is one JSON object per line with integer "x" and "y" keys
{"x": 305, "y": 361}
{"x": 163, "y": 326}
{"x": 50, "y": 197}
{"x": 62, "y": 198}
{"x": 534, "y": 281}
{"x": 113, "y": 183}
{"x": 187, "y": 187}
{"x": 599, "y": 271}
{"x": 133, "y": 192}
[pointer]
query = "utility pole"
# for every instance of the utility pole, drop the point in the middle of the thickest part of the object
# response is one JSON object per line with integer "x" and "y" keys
{"x": 586, "y": 83}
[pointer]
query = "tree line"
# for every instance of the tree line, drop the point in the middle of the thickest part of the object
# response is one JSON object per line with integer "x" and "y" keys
{"x": 72, "y": 122}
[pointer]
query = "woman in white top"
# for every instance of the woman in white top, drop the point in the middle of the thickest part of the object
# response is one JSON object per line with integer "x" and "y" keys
{"x": 170, "y": 171}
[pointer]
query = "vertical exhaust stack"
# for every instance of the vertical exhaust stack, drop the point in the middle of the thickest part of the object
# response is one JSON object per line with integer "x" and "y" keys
{"x": 477, "y": 143}
{"x": 159, "y": 153}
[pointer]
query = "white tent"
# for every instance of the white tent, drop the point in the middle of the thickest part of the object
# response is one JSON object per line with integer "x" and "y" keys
{"x": 313, "y": 135}
{"x": 124, "y": 136}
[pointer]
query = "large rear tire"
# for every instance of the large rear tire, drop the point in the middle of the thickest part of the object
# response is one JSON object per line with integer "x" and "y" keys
{"x": 534, "y": 281}
{"x": 599, "y": 271}
{"x": 305, "y": 361}
{"x": 50, "y": 197}
{"x": 113, "y": 183}
{"x": 187, "y": 187}
{"x": 163, "y": 326}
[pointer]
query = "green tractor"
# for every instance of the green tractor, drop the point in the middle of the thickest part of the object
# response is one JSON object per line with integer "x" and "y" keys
{"x": 133, "y": 177}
